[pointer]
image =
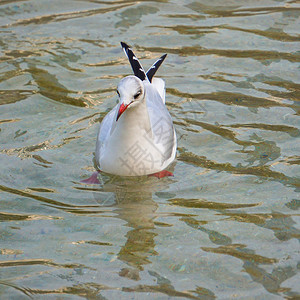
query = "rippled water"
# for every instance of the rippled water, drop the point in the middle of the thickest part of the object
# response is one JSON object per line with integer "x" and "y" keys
{"x": 225, "y": 226}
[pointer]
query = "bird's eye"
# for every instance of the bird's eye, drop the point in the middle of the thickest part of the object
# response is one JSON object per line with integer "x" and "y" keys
{"x": 118, "y": 93}
{"x": 137, "y": 95}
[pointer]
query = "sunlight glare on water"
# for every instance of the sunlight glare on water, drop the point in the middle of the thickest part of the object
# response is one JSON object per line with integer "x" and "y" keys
{"x": 225, "y": 226}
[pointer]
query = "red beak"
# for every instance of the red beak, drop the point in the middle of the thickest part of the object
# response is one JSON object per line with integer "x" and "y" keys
{"x": 121, "y": 110}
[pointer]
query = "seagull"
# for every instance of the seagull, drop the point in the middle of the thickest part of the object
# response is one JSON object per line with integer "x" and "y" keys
{"x": 137, "y": 136}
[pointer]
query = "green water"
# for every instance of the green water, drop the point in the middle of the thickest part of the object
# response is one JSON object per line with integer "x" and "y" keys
{"x": 226, "y": 226}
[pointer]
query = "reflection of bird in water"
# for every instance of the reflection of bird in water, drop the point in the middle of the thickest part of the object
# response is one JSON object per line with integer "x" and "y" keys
{"x": 137, "y": 136}
{"x": 133, "y": 201}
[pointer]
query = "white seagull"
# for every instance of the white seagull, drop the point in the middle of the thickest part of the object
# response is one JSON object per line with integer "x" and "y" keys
{"x": 137, "y": 136}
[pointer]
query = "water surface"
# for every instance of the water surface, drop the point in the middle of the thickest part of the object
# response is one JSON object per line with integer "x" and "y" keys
{"x": 226, "y": 226}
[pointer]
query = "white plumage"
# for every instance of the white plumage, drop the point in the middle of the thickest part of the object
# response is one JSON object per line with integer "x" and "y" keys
{"x": 137, "y": 136}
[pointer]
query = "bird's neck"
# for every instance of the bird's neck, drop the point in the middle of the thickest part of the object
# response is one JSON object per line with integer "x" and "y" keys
{"x": 135, "y": 120}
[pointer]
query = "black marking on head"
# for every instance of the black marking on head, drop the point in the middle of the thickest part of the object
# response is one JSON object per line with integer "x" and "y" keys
{"x": 134, "y": 62}
{"x": 150, "y": 73}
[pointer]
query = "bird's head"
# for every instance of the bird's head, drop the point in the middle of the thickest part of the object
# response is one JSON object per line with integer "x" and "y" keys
{"x": 131, "y": 92}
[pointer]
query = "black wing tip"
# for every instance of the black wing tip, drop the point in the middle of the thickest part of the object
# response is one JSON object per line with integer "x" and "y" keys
{"x": 124, "y": 45}
{"x": 136, "y": 66}
{"x": 134, "y": 62}
{"x": 151, "y": 72}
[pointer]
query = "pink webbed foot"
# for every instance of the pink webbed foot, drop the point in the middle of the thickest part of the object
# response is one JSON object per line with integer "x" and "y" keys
{"x": 92, "y": 180}
{"x": 161, "y": 174}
